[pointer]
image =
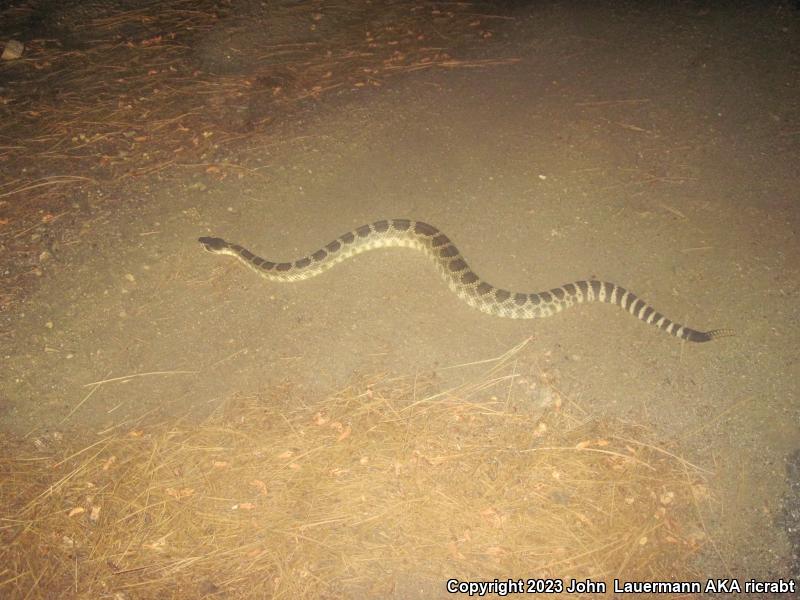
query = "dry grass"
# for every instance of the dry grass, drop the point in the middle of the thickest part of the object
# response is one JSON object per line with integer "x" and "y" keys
{"x": 383, "y": 482}
{"x": 106, "y": 97}
{"x": 134, "y": 92}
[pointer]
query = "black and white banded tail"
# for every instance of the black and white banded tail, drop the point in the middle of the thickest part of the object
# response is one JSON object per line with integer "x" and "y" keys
{"x": 603, "y": 291}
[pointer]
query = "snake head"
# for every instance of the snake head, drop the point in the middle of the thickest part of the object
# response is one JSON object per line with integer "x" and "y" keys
{"x": 213, "y": 245}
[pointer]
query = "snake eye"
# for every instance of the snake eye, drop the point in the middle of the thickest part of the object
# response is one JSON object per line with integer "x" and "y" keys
{"x": 211, "y": 244}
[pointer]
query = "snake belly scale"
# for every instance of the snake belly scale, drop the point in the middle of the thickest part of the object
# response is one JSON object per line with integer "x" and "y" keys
{"x": 458, "y": 275}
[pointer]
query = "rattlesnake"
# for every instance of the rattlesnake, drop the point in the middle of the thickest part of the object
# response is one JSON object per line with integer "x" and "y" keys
{"x": 458, "y": 275}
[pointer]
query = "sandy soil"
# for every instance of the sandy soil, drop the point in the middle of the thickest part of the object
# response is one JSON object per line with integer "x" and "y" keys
{"x": 655, "y": 149}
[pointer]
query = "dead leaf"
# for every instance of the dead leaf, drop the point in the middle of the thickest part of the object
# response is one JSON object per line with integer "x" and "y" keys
{"x": 260, "y": 486}
{"x": 182, "y": 493}
{"x": 347, "y": 431}
{"x": 159, "y": 545}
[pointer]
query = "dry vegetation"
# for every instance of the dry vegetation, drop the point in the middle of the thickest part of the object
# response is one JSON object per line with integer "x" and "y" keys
{"x": 384, "y": 482}
{"x": 284, "y": 495}
{"x": 106, "y": 95}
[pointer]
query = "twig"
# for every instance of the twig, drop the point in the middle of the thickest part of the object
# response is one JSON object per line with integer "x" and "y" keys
{"x": 77, "y": 406}
{"x": 51, "y": 181}
{"x": 598, "y": 450}
{"x": 141, "y": 375}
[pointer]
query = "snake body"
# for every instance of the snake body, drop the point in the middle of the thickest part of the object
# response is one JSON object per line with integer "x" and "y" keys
{"x": 458, "y": 275}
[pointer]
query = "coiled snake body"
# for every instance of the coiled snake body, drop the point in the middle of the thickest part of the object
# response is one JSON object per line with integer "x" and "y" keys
{"x": 458, "y": 275}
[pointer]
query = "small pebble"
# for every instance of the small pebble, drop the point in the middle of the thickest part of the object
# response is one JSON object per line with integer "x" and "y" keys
{"x": 12, "y": 50}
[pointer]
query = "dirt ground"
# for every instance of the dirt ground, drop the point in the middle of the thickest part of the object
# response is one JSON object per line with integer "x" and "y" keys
{"x": 655, "y": 148}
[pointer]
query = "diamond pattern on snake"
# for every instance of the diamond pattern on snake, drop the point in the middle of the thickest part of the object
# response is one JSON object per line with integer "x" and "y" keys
{"x": 458, "y": 275}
